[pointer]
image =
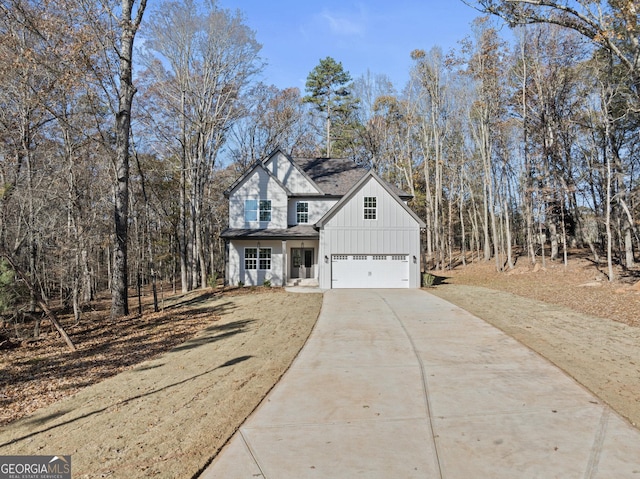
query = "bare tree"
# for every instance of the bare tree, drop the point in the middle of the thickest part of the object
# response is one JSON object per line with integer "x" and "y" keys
{"x": 211, "y": 57}
{"x": 273, "y": 118}
{"x": 611, "y": 25}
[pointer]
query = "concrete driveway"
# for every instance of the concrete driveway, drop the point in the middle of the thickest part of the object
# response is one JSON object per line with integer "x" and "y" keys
{"x": 401, "y": 384}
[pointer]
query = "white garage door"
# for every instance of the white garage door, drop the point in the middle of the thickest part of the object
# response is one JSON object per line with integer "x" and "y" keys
{"x": 370, "y": 271}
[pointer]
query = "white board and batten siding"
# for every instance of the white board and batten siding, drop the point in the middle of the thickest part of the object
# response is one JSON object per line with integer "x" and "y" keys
{"x": 258, "y": 186}
{"x": 364, "y": 253}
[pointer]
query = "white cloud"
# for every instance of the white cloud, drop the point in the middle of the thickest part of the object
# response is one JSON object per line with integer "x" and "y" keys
{"x": 345, "y": 24}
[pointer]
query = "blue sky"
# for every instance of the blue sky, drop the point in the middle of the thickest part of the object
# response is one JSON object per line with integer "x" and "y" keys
{"x": 376, "y": 36}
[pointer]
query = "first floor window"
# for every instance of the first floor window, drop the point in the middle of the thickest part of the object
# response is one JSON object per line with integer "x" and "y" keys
{"x": 250, "y": 258}
{"x": 257, "y": 258}
{"x": 302, "y": 212}
{"x": 370, "y": 204}
{"x": 265, "y": 258}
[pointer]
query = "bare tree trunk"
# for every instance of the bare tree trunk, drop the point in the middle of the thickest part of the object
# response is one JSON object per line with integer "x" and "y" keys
{"x": 76, "y": 287}
{"x": 202, "y": 256}
{"x": 607, "y": 222}
{"x": 508, "y": 240}
{"x": 628, "y": 246}
{"x": 542, "y": 239}
{"x": 629, "y": 232}
{"x": 564, "y": 237}
{"x": 87, "y": 286}
{"x": 32, "y": 247}
{"x": 120, "y": 281}
{"x": 463, "y": 235}
{"x": 182, "y": 233}
{"x": 528, "y": 174}
{"x": 553, "y": 237}
{"x": 486, "y": 248}
{"x": 147, "y": 228}
{"x": 429, "y": 212}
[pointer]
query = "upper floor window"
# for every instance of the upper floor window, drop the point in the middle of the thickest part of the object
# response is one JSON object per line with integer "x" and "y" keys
{"x": 302, "y": 212}
{"x": 257, "y": 210}
{"x": 370, "y": 208}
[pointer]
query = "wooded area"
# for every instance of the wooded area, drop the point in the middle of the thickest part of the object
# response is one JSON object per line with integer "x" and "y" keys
{"x": 114, "y": 159}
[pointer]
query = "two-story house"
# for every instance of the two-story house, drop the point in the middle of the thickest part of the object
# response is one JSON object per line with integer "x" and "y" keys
{"x": 324, "y": 219}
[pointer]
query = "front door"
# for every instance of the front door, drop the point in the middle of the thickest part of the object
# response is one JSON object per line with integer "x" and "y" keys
{"x": 302, "y": 262}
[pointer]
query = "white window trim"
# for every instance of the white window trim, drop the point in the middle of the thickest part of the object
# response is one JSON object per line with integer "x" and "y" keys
{"x": 368, "y": 211}
{"x": 256, "y": 261}
{"x": 265, "y": 258}
{"x": 253, "y": 260}
{"x": 258, "y": 211}
{"x": 298, "y": 213}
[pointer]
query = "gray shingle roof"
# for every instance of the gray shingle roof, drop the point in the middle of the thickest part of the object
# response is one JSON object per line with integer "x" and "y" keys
{"x": 296, "y": 231}
{"x": 336, "y": 176}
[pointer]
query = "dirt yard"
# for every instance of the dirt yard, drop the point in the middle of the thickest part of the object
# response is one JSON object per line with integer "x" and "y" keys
{"x": 574, "y": 317}
{"x": 153, "y": 413}
{"x": 167, "y": 416}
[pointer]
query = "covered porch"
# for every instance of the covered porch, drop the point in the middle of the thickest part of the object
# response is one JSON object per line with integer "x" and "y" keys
{"x": 284, "y": 257}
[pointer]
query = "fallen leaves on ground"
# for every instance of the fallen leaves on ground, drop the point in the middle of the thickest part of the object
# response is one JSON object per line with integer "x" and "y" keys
{"x": 37, "y": 373}
{"x": 582, "y": 285}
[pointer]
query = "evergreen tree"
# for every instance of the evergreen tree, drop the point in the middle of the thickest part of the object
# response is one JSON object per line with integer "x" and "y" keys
{"x": 328, "y": 87}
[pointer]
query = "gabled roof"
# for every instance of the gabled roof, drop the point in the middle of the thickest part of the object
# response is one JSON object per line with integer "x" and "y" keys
{"x": 250, "y": 170}
{"x": 330, "y": 176}
{"x": 295, "y": 164}
{"x": 351, "y": 193}
{"x": 334, "y": 176}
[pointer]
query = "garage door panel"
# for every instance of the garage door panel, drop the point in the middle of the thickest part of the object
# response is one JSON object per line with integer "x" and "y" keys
{"x": 370, "y": 271}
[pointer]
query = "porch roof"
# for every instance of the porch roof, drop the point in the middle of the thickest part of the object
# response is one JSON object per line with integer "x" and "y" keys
{"x": 293, "y": 232}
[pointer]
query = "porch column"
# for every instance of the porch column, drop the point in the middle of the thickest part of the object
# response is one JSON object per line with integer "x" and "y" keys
{"x": 284, "y": 263}
{"x": 226, "y": 263}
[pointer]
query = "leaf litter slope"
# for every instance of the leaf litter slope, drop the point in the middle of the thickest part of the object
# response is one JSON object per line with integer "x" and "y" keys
{"x": 168, "y": 416}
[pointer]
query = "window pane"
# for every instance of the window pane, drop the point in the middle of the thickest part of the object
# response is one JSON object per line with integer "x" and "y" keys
{"x": 370, "y": 207}
{"x": 250, "y": 261}
{"x": 265, "y": 210}
{"x": 251, "y": 210}
{"x": 302, "y": 209}
{"x": 265, "y": 258}
{"x": 265, "y": 215}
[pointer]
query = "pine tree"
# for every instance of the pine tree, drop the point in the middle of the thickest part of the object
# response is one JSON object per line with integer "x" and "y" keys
{"x": 329, "y": 89}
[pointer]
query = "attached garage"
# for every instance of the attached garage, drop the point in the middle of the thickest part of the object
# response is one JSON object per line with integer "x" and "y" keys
{"x": 370, "y": 271}
{"x": 369, "y": 239}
